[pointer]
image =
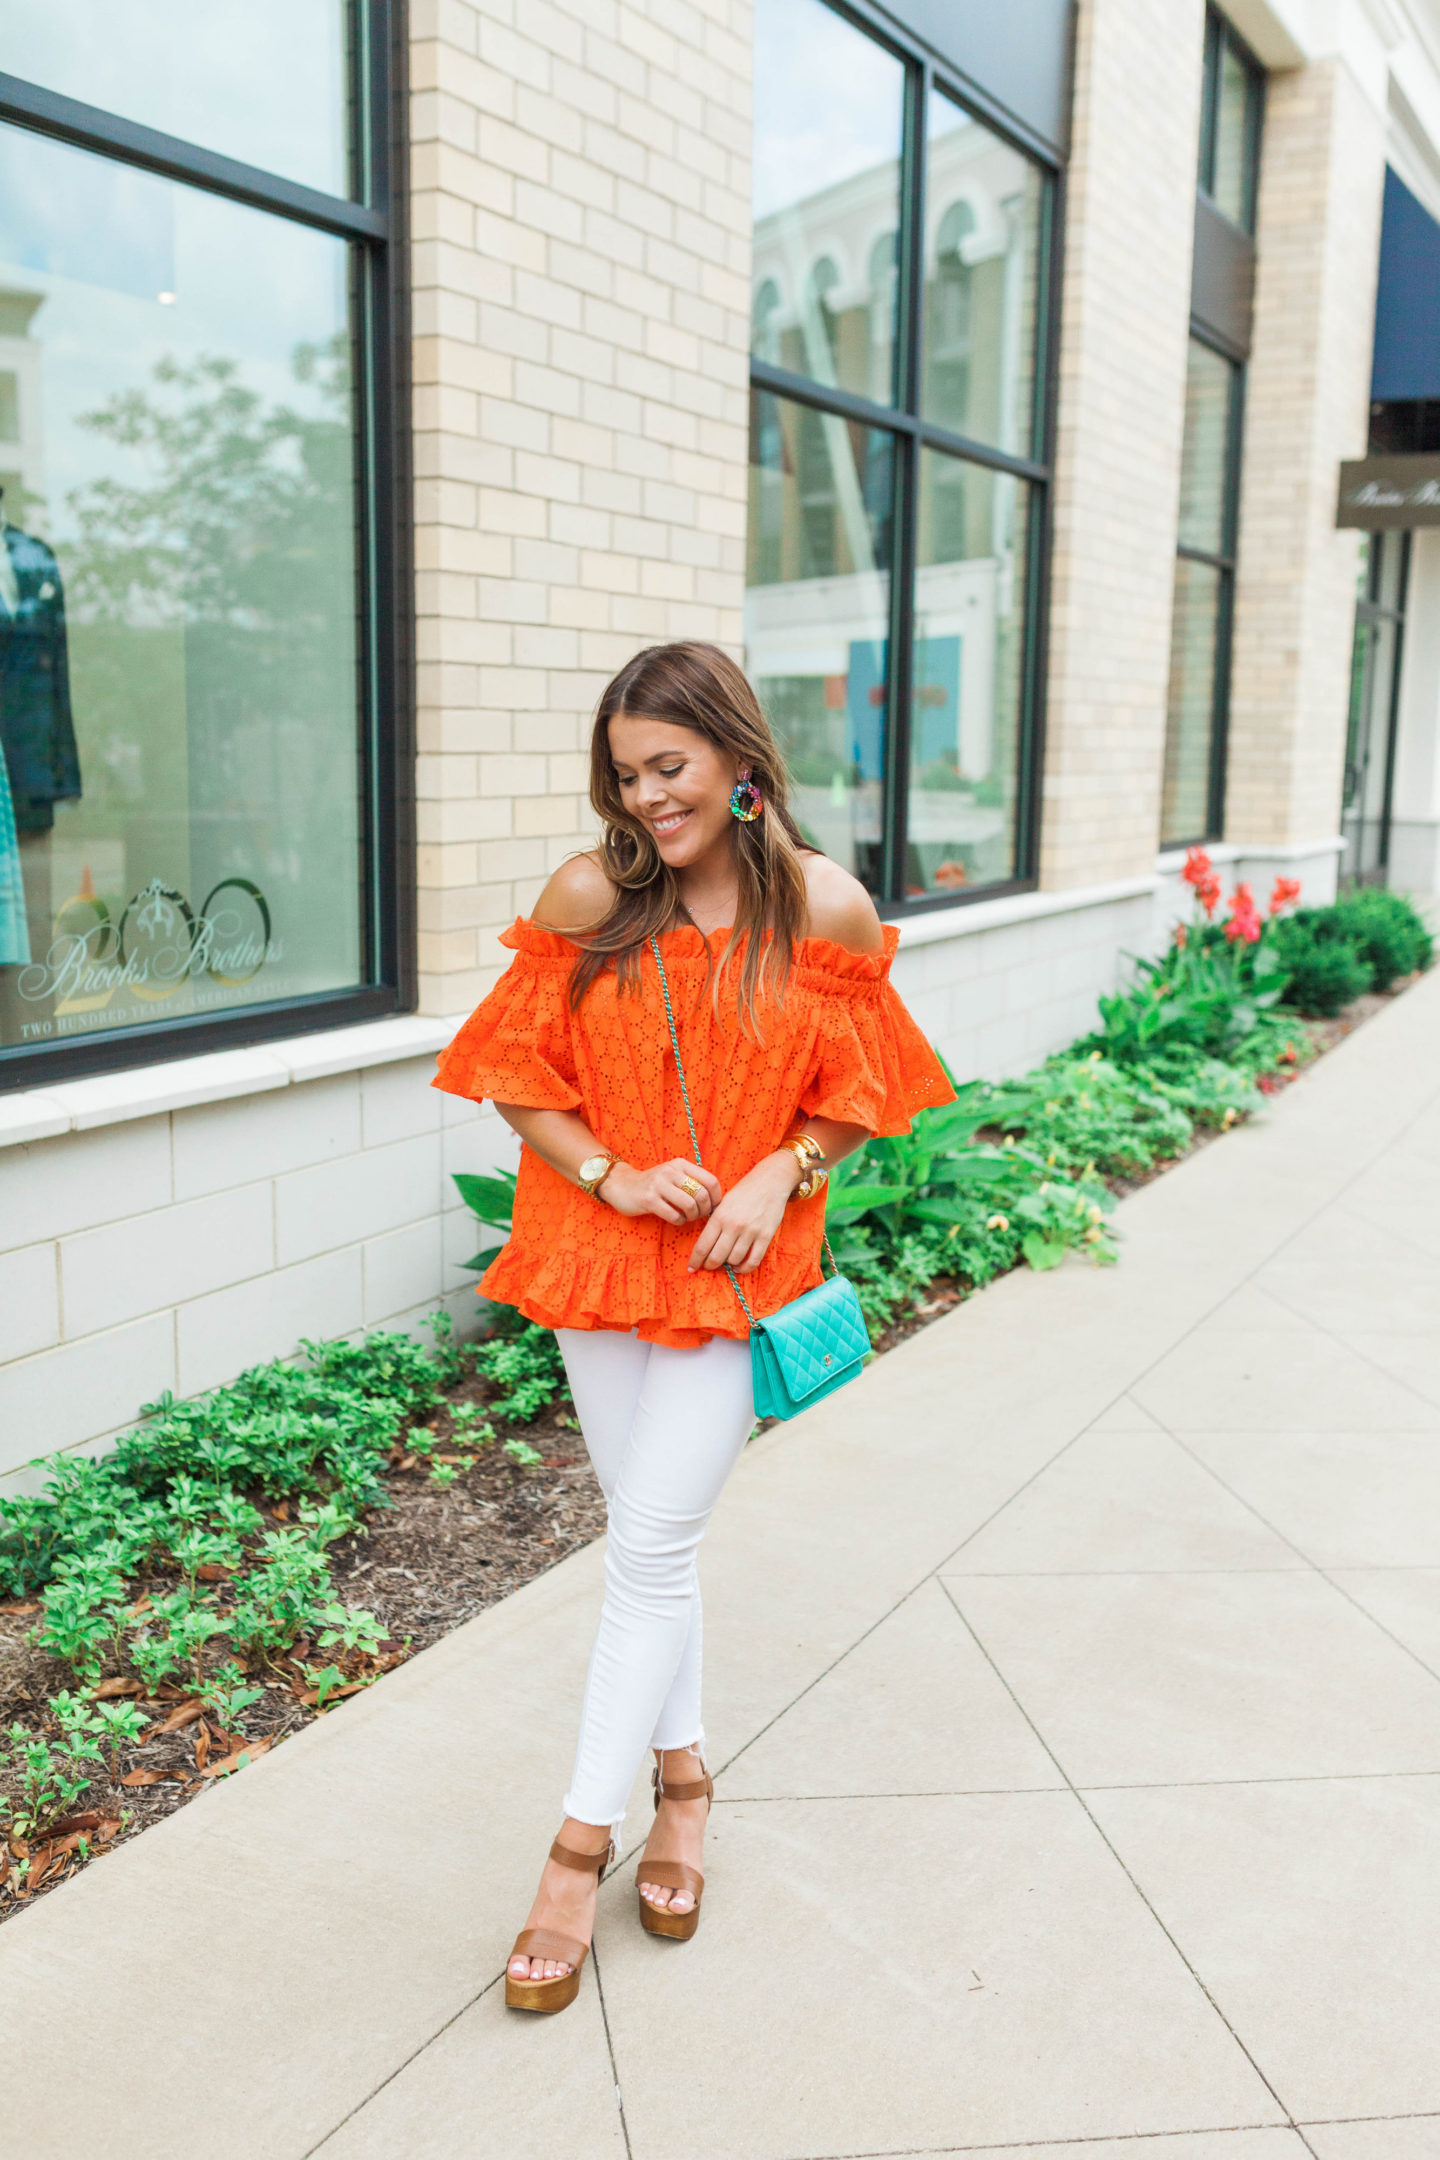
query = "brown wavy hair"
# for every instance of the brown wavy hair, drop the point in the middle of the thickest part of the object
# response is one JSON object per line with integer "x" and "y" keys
{"x": 697, "y": 687}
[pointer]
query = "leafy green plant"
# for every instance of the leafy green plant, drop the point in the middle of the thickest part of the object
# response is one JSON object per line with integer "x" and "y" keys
{"x": 1092, "y": 1114}
{"x": 84, "y": 1607}
{"x": 1203, "y": 996}
{"x": 92, "y": 1729}
{"x": 282, "y": 1598}
{"x": 227, "y": 1694}
{"x": 492, "y": 1200}
{"x": 46, "y": 1783}
{"x": 327, "y": 1681}
{"x": 1325, "y": 965}
{"x": 1389, "y": 930}
{"x": 943, "y": 1200}
{"x": 524, "y": 1362}
{"x": 353, "y": 1627}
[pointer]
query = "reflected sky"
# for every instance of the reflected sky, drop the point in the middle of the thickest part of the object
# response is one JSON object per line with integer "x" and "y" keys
{"x": 827, "y": 102}
{"x": 260, "y": 80}
{"x": 101, "y": 244}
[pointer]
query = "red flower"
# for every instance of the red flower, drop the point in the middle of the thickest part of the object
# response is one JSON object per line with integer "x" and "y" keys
{"x": 1286, "y": 889}
{"x": 1197, "y": 868}
{"x": 1208, "y": 893}
{"x": 1243, "y": 926}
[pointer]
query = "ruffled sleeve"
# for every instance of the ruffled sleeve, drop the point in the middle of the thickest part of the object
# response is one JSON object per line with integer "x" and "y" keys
{"x": 872, "y": 1066}
{"x": 518, "y": 1044}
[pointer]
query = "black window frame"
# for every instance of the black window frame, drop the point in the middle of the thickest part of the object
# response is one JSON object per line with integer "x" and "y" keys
{"x": 926, "y": 74}
{"x": 374, "y": 221}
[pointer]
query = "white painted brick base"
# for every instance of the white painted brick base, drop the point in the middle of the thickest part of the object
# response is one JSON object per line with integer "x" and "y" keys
{"x": 175, "y": 1250}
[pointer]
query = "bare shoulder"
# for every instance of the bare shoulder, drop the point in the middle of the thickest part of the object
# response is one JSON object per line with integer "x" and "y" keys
{"x": 578, "y": 896}
{"x": 840, "y": 908}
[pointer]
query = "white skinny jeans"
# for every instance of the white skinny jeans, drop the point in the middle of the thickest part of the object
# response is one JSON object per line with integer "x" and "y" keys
{"x": 664, "y": 1428}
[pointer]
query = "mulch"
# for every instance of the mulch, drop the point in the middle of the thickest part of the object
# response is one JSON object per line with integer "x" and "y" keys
{"x": 431, "y": 1560}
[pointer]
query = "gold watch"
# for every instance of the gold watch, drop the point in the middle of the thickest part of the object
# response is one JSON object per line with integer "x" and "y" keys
{"x": 594, "y": 1171}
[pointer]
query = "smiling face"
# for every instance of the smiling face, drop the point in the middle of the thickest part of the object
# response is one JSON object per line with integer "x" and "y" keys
{"x": 677, "y": 783}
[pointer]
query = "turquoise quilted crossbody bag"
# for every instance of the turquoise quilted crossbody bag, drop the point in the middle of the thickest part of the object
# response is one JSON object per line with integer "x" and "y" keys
{"x": 814, "y": 1344}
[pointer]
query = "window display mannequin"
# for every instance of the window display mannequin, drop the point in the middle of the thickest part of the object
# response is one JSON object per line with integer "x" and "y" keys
{"x": 37, "y": 730}
{"x": 36, "y": 725}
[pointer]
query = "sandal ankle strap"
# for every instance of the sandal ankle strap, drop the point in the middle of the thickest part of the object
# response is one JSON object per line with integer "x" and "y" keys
{"x": 587, "y": 1863}
{"x": 702, "y": 1788}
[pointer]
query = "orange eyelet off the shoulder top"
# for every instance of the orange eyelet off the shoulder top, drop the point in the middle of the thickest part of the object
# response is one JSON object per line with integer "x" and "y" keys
{"x": 839, "y": 1045}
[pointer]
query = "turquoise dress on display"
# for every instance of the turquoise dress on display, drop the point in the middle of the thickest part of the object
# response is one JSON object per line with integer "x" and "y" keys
{"x": 14, "y": 933}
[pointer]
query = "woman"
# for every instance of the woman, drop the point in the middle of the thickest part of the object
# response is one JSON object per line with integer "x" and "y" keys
{"x": 795, "y": 1051}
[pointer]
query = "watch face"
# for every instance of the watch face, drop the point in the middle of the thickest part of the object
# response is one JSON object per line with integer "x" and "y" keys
{"x": 591, "y": 1168}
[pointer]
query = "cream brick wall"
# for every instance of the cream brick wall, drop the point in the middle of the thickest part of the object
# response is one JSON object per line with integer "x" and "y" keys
{"x": 581, "y": 218}
{"x": 1307, "y": 401}
{"x": 1125, "y": 314}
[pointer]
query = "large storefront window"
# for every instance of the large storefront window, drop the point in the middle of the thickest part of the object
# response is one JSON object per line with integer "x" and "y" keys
{"x": 897, "y": 458}
{"x": 186, "y": 670}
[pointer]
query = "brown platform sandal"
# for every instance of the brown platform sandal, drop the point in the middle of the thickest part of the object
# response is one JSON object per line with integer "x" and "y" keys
{"x": 557, "y": 1993}
{"x": 674, "y": 1874}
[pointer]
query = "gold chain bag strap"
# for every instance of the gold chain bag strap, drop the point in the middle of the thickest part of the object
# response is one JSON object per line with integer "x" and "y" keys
{"x": 814, "y": 1344}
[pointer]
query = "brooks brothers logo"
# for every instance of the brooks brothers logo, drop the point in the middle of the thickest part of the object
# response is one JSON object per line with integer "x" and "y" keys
{"x": 1385, "y": 494}
{"x": 155, "y": 946}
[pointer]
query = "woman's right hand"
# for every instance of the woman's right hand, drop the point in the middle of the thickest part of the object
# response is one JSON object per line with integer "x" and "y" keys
{"x": 663, "y": 1191}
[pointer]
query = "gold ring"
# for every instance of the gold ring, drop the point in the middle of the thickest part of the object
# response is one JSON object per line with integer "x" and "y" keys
{"x": 690, "y": 1186}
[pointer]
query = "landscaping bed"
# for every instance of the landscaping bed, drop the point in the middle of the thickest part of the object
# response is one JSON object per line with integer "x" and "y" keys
{"x": 241, "y": 1564}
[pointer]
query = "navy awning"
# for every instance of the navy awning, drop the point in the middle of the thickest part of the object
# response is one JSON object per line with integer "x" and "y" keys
{"x": 1407, "y": 305}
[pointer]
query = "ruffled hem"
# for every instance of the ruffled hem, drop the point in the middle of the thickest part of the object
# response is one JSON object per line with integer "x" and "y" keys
{"x": 573, "y": 1289}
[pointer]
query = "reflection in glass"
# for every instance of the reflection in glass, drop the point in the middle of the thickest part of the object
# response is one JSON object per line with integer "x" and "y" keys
{"x": 1369, "y": 736}
{"x": 968, "y": 675}
{"x": 178, "y": 684}
{"x": 1190, "y": 715}
{"x": 264, "y": 81}
{"x": 1237, "y": 95}
{"x": 817, "y": 613}
{"x": 828, "y": 104}
{"x": 1209, "y": 383}
{"x": 982, "y": 239}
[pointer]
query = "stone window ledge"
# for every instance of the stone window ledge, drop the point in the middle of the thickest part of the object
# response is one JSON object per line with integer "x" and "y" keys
{"x": 1026, "y": 907}
{"x": 112, "y": 1098}
{"x": 1232, "y": 851}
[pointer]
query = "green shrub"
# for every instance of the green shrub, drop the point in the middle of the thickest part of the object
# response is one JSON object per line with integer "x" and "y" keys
{"x": 1091, "y": 1114}
{"x": 1323, "y": 961}
{"x": 1388, "y": 929}
{"x": 940, "y": 1200}
{"x": 1204, "y": 997}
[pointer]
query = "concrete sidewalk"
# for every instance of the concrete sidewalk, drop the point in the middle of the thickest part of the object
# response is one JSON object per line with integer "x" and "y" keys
{"x": 1074, "y": 1678}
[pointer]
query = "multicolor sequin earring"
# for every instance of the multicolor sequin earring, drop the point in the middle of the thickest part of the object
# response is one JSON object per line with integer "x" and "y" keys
{"x": 745, "y": 802}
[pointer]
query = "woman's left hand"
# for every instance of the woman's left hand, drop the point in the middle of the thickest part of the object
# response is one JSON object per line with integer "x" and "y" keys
{"x": 738, "y": 1231}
